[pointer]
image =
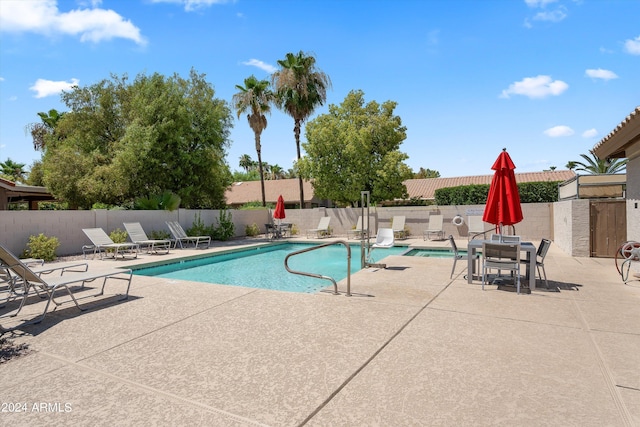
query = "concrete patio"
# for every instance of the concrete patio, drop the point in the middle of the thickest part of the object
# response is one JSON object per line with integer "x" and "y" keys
{"x": 411, "y": 347}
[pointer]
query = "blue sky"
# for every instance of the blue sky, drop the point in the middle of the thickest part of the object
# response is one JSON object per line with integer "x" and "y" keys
{"x": 546, "y": 79}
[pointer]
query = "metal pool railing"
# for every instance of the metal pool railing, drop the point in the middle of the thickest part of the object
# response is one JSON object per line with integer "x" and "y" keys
{"x": 319, "y": 276}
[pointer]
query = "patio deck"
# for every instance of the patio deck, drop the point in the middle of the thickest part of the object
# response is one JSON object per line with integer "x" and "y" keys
{"x": 410, "y": 347}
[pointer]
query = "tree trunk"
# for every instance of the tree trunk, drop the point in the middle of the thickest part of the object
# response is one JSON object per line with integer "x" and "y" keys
{"x": 259, "y": 151}
{"x": 296, "y": 131}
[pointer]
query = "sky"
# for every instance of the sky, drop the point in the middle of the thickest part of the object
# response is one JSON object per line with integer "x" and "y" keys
{"x": 545, "y": 79}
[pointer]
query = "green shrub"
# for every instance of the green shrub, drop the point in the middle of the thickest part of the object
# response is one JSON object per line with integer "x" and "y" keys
{"x": 476, "y": 194}
{"x": 159, "y": 235}
{"x": 118, "y": 236}
{"x": 41, "y": 246}
{"x": 225, "y": 229}
{"x": 198, "y": 228}
{"x": 252, "y": 230}
{"x": 294, "y": 230}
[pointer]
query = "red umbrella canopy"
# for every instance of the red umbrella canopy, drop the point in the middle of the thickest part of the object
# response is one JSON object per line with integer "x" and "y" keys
{"x": 503, "y": 203}
{"x": 279, "y": 212}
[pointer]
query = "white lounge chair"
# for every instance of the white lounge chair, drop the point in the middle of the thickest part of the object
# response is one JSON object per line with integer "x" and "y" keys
{"x": 323, "y": 228}
{"x": 435, "y": 227}
{"x": 398, "y": 227}
{"x": 28, "y": 279}
{"x": 138, "y": 236}
{"x": 102, "y": 244}
{"x": 180, "y": 236}
{"x": 361, "y": 229}
{"x": 476, "y": 226}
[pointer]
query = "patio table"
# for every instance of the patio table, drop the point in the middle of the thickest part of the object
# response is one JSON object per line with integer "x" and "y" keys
{"x": 528, "y": 247}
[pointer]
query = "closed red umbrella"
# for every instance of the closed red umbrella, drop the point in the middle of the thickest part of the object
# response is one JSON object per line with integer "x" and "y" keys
{"x": 279, "y": 212}
{"x": 503, "y": 203}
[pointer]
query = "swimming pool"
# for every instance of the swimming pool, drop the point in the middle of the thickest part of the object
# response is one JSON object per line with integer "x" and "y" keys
{"x": 432, "y": 253}
{"x": 263, "y": 267}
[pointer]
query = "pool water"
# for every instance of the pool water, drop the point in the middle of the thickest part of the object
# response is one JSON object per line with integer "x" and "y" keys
{"x": 433, "y": 253}
{"x": 263, "y": 267}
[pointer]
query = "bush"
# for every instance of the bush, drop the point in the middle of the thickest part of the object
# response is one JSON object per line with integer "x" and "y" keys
{"x": 198, "y": 228}
{"x": 41, "y": 246}
{"x": 476, "y": 194}
{"x": 252, "y": 230}
{"x": 159, "y": 235}
{"x": 225, "y": 229}
{"x": 118, "y": 236}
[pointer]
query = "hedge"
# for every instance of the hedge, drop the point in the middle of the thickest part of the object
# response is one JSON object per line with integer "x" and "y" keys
{"x": 476, "y": 194}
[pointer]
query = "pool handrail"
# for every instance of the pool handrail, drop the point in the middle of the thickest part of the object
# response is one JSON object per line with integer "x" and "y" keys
{"x": 319, "y": 276}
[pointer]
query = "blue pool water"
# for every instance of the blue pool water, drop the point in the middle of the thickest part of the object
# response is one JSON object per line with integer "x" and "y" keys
{"x": 433, "y": 253}
{"x": 263, "y": 267}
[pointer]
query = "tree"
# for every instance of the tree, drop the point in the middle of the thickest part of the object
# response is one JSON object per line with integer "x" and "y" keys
{"x": 355, "y": 147}
{"x": 124, "y": 140}
{"x": 571, "y": 165}
{"x": 595, "y": 165}
{"x": 39, "y": 131}
{"x": 300, "y": 88}
{"x": 246, "y": 162}
{"x": 14, "y": 171}
{"x": 426, "y": 173}
{"x": 256, "y": 98}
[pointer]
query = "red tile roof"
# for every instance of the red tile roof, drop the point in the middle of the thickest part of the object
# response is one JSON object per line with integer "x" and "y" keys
{"x": 426, "y": 188}
{"x": 243, "y": 192}
{"x": 249, "y": 191}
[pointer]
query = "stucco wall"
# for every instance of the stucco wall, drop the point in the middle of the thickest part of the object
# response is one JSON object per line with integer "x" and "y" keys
{"x": 571, "y": 226}
{"x": 17, "y": 226}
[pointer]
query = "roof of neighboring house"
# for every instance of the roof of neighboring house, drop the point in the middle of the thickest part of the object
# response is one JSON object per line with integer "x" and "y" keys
{"x": 243, "y": 192}
{"x": 249, "y": 191}
{"x": 20, "y": 190}
{"x": 426, "y": 188}
{"x": 616, "y": 143}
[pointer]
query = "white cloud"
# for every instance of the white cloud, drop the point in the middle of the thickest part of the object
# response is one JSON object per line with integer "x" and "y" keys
{"x": 591, "y": 133}
{"x": 538, "y": 3}
{"x": 43, "y": 17}
{"x": 551, "y": 16}
{"x": 601, "y": 74}
{"x": 535, "y": 87}
{"x": 1, "y": 79}
{"x": 44, "y": 88}
{"x": 260, "y": 64}
{"x": 632, "y": 46}
{"x": 191, "y": 5}
{"x": 558, "y": 131}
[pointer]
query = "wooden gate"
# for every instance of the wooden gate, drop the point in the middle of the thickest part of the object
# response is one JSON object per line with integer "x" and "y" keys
{"x": 608, "y": 222}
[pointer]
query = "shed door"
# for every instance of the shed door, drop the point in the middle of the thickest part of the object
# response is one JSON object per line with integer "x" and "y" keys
{"x": 608, "y": 222}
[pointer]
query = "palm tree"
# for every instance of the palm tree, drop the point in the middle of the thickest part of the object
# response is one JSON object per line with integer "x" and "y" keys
{"x": 13, "y": 170}
{"x": 277, "y": 172}
{"x": 39, "y": 131}
{"x": 595, "y": 165}
{"x": 256, "y": 98}
{"x": 571, "y": 165}
{"x": 246, "y": 162}
{"x": 300, "y": 88}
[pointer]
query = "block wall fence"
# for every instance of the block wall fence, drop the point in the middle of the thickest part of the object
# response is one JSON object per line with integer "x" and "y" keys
{"x": 566, "y": 223}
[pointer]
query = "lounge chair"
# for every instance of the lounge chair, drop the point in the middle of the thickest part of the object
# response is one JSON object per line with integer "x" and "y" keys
{"x": 323, "y": 228}
{"x": 435, "y": 227}
{"x": 27, "y": 279}
{"x": 101, "y": 243}
{"x": 139, "y": 237}
{"x": 180, "y": 236}
{"x": 476, "y": 226}
{"x": 361, "y": 230}
{"x": 398, "y": 227}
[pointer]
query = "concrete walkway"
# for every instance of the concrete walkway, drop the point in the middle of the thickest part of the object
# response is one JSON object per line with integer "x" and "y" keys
{"x": 411, "y": 347}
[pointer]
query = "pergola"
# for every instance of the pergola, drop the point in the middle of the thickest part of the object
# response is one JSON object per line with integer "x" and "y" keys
{"x": 11, "y": 192}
